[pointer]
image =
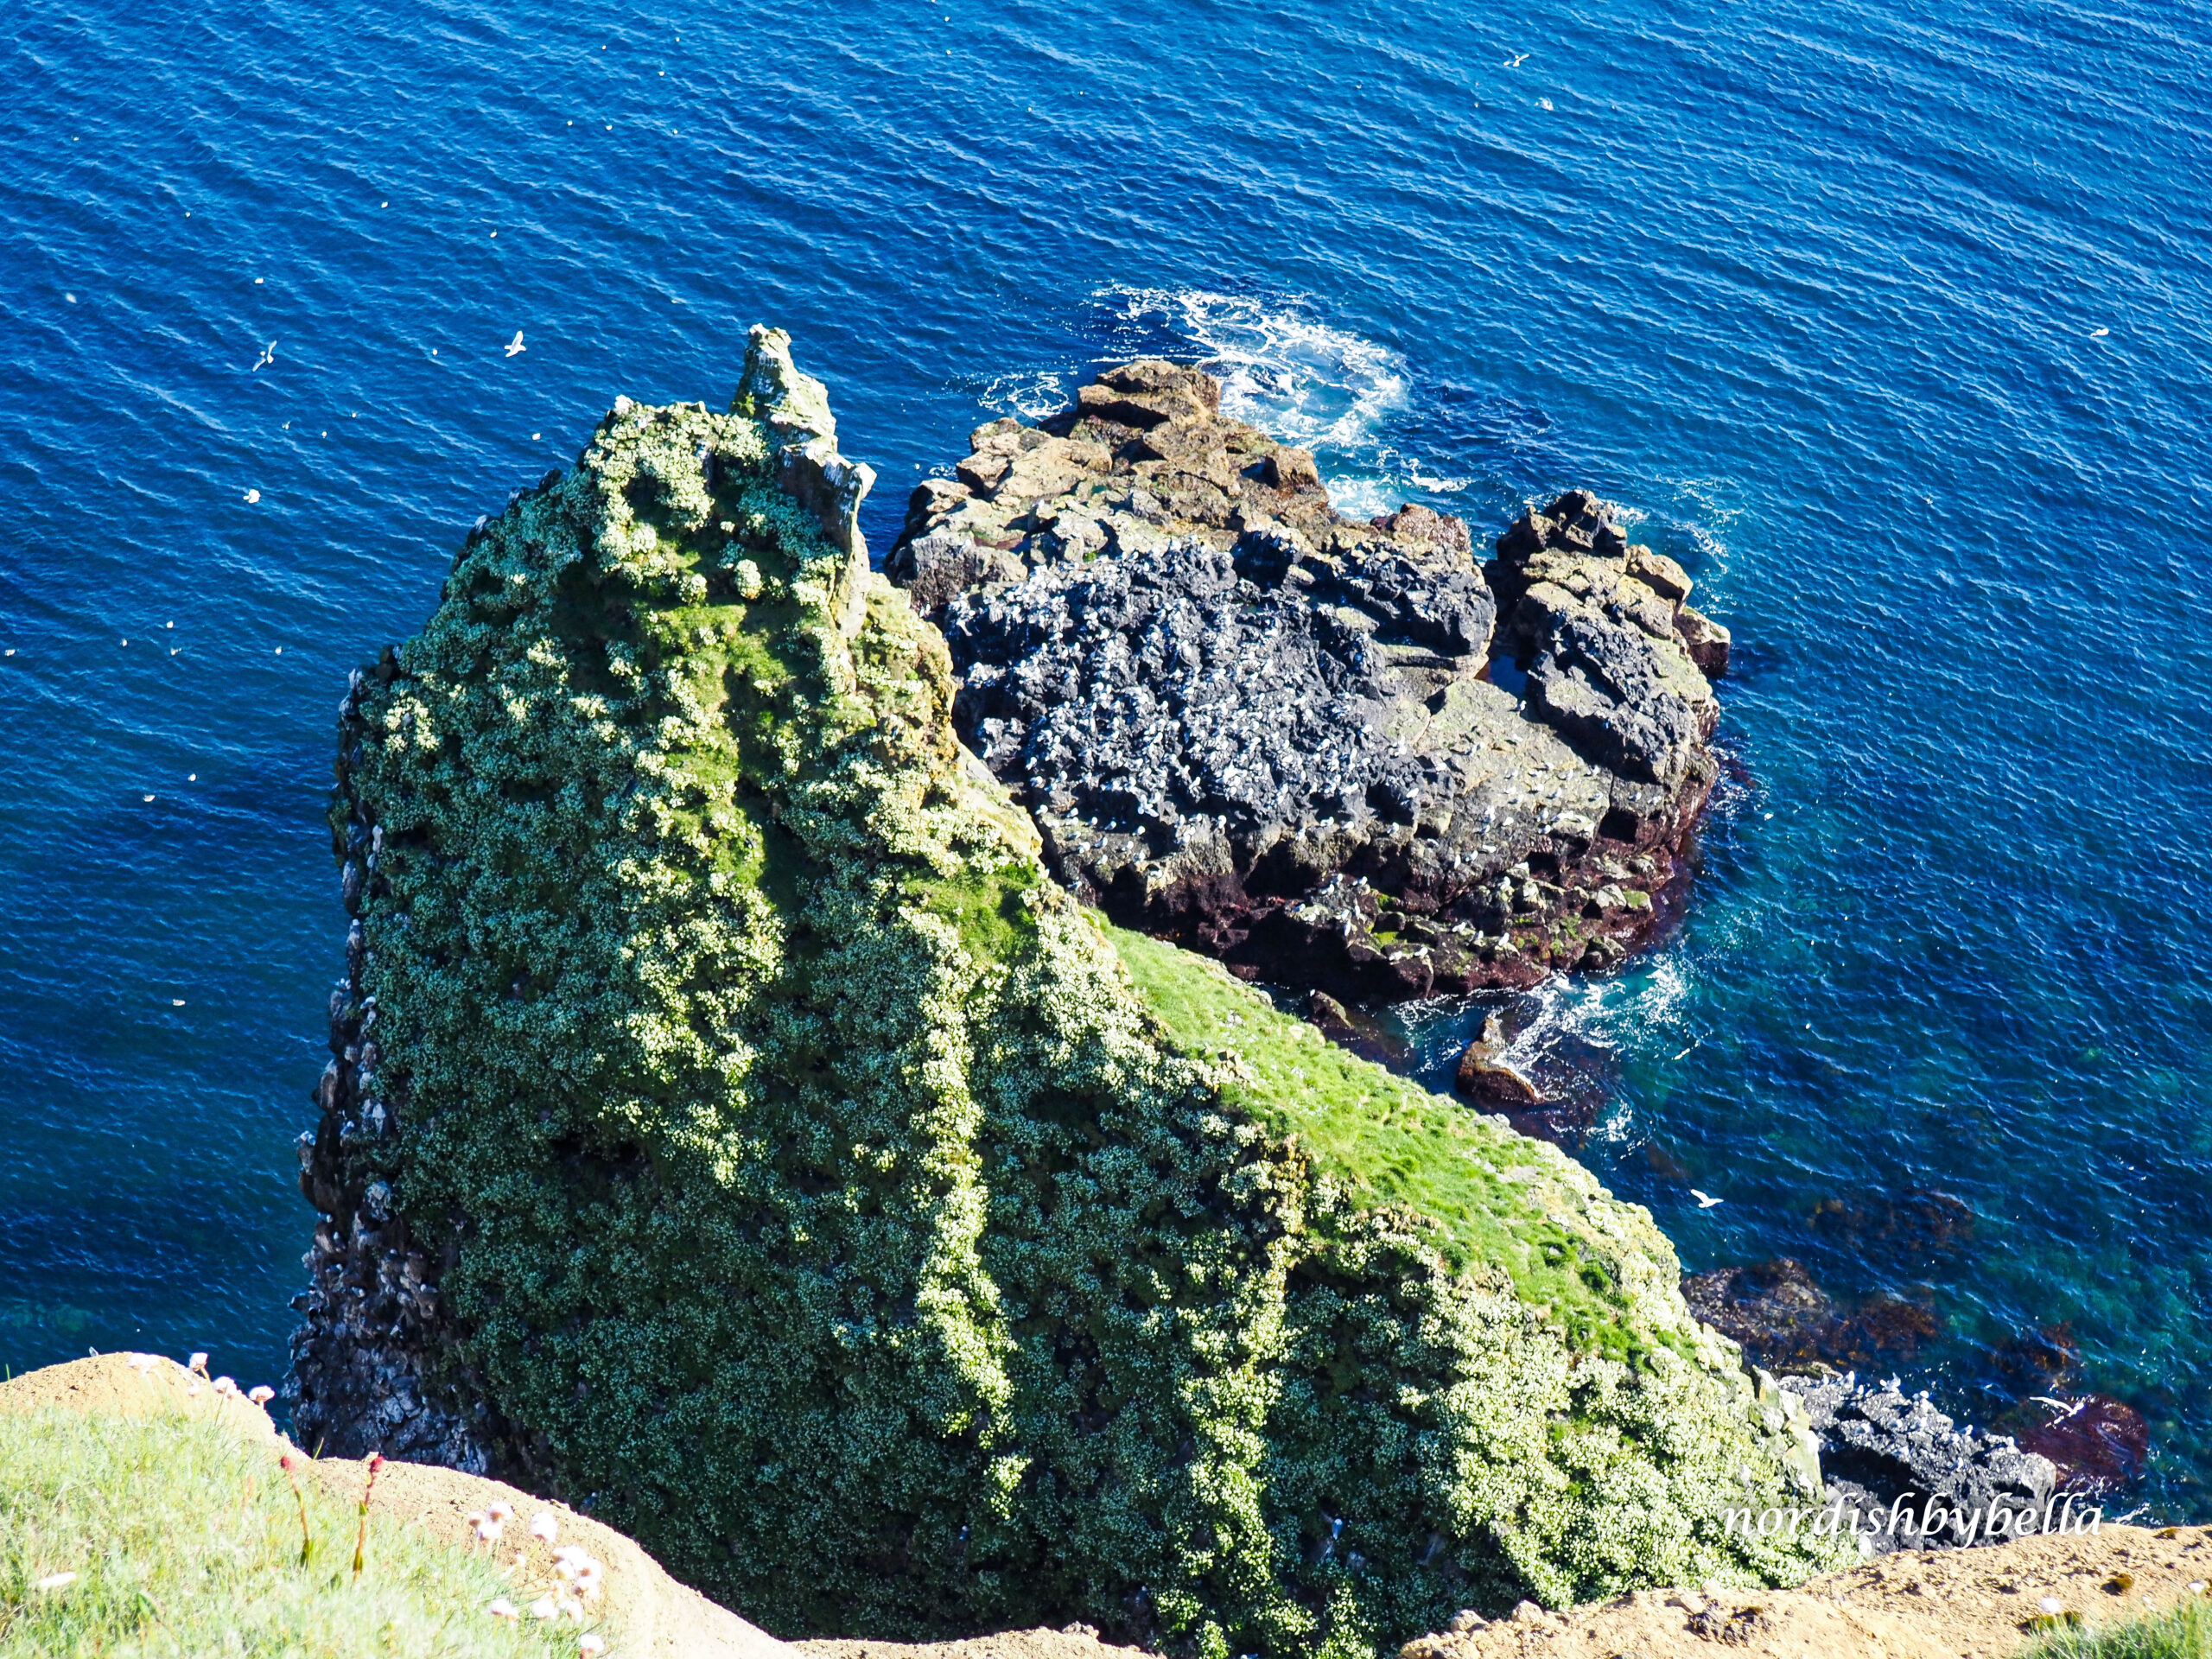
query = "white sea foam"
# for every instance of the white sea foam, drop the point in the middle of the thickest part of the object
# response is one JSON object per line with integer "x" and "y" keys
{"x": 1642, "y": 1009}
{"x": 1707, "y": 509}
{"x": 1031, "y": 395}
{"x": 1436, "y": 485}
{"x": 1359, "y": 497}
{"x": 1298, "y": 379}
{"x": 1659, "y": 1000}
{"x": 1560, "y": 1006}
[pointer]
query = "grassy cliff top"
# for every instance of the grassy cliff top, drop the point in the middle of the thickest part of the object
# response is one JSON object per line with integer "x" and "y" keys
{"x": 145, "y": 1508}
{"x": 171, "y": 1533}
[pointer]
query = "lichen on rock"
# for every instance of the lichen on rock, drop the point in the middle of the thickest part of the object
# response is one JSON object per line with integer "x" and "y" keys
{"x": 734, "y": 1131}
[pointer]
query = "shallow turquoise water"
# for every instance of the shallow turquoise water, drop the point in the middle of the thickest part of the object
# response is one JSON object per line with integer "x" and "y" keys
{"x": 1813, "y": 290}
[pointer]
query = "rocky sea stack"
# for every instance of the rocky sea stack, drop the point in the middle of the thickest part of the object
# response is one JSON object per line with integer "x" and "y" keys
{"x": 732, "y": 1129}
{"x": 1285, "y": 736}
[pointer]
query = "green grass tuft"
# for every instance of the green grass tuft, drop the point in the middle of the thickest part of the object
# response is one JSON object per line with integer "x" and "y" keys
{"x": 2183, "y": 1632}
{"x": 186, "y": 1540}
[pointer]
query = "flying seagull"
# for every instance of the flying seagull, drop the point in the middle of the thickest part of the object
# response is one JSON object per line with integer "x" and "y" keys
{"x": 515, "y": 347}
{"x": 267, "y": 357}
{"x": 1516, "y": 60}
{"x": 1705, "y": 1200}
{"x": 2098, "y": 333}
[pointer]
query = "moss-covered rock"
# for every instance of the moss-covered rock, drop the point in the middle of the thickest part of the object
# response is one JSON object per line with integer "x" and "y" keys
{"x": 734, "y": 1132}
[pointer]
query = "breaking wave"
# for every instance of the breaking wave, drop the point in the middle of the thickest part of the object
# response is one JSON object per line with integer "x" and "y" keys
{"x": 1296, "y": 377}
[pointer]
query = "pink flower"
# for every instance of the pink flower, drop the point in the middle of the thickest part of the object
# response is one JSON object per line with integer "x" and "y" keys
{"x": 261, "y": 1396}
{"x": 543, "y": 1608}
{"x": 581, "y": 1569}
{"x": 504, "y": 1609}
{"x": 545, "y": 1525}
{"x": 199, "y": 1363}
{"x": 590, "y": 1644}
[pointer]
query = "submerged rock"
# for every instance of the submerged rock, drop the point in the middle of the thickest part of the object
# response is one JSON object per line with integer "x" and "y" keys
{"x": 734, "y": 1132}
{"x": 1785, "y": 1319}
{"x": 1278, "y": 735}
{"x": 2101, "y": 1446}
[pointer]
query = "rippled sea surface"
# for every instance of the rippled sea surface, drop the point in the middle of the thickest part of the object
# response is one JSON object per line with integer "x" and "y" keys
{"x": 1892, "y": 322}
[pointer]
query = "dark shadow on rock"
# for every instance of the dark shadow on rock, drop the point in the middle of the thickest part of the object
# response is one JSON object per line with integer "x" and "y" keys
{"x": 1357, "y": 1031}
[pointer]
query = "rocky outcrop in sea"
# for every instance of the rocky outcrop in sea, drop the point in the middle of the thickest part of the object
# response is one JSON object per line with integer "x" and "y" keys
{"x": 1284, "y": 736}
{"x": 732, "y": 1130}
{"x": 1879, "y": 1440}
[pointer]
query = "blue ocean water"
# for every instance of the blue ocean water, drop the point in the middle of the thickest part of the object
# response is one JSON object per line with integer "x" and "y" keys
{"x": 1892, "y": 322}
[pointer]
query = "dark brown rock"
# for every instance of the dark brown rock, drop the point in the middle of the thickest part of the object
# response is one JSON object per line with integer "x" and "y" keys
{"x": 1485, "y": 1075}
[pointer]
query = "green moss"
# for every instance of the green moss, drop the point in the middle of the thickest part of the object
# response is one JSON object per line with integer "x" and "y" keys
{"x": 819, "y": 1198}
